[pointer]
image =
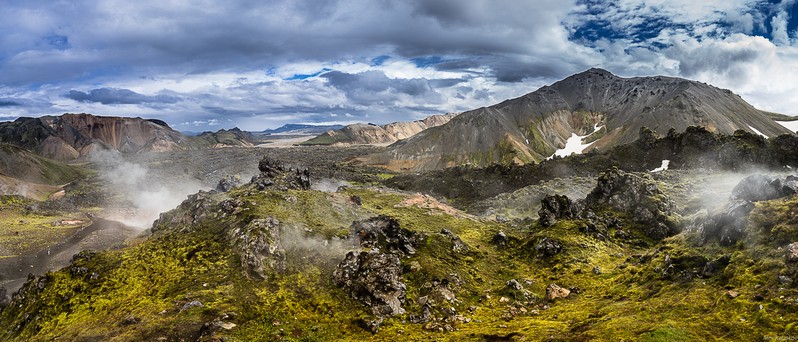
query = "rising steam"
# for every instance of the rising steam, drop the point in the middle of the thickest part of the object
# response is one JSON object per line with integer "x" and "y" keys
{"x": 139, "y": 195}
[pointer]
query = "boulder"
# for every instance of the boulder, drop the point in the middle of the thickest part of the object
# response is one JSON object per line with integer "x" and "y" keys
{"x": 757, "y": 187}
{"x": 275, "y": 175}
{"x": 458, "y": 246}
{"x": 554, "y": 207}
{"x": 191, "y": 304}
{"x": 792, "y": 252}
{"x": 259, "y": 248}
{"x": 554, "y": 291}
{"x": 385, "y": 233}
{"x": 500, "y": 239}
{"x": 372, "y": 278}
{"x": 548, "y": 247}
{"x": 228, "y": 183}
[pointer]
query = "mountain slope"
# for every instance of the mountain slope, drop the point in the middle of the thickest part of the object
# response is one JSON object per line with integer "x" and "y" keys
{"x": 27, "y": 174}
{"x": 70, "y": 136}
{"x": 603, "y": 108}
{"x": 360, "y": 134}
{"x": 222, "y": 138}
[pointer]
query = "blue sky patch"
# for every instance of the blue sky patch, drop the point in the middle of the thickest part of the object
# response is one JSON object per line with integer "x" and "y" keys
{"x": 306, "y": 76}
{"x": 423, "y": 62}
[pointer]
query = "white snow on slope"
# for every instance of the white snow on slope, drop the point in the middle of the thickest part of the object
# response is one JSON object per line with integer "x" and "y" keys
{"x": 574, "y": 144}
{"x": 757, "y": 131}
{"x": 791, "y": 125}
{"x": 664, "y": 166}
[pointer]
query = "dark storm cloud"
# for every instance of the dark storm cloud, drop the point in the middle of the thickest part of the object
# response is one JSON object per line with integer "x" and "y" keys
{"x": 374, "y": 87}
{"x": 118, "y": 96}
{"x": 239, "y": 58}
{"x": 9, "y": 103}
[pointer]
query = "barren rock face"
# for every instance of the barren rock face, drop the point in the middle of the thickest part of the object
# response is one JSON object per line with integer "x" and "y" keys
{"x": 638, "y": 196}
{"x": 69, "y": 136}
{"x": 258, "y": 245}
{"x": 373, "y": 279}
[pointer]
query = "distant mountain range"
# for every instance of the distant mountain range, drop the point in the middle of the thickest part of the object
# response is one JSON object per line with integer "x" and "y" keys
{"x": 592, "y": 109}
{"x": 71, "y": 136}
{"x": 358, "y": 134}
{"x": 300, "y": 129}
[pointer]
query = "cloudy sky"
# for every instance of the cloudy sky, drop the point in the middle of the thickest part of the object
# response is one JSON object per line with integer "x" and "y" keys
{"x": 205, "y": 65}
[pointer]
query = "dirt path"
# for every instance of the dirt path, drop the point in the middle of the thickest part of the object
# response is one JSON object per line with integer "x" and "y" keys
{"x": 101, "y": 234}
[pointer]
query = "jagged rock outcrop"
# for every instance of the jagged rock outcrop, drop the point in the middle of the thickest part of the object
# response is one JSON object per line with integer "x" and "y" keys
{"x": 195, "y": 209}
{"x": 258, "y": 246}
{"x": 228, "y": 183}
{"x": 727, "y": 224}
{"x": 275, "y": 175}
{"x": 384, "y": 233}
{"x": 638, "y": 196}
{"x": 760, "y": 187}
{"x": 372, "y": 278}
{"x": 556, "y": 207}
{"x": 616, "y": 191}
{"x": 530, "y": 128}
{"x": 359, "y": 134}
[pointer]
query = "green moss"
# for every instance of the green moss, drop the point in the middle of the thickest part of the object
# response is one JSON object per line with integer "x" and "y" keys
{"x": 628, "y": 299}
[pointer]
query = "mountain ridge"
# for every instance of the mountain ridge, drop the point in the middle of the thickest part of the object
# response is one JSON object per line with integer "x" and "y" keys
{"x": 71, "y": 136}
{"x": 363, "y": 134}
{"x": 530, "y": 128}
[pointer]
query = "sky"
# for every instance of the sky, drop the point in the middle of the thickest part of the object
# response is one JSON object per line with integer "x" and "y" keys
{"x": 205, "y": 65}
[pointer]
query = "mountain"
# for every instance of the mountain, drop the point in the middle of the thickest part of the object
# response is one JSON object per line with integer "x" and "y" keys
{"x": 589, "y": 110}
{"x": 29, "y": 175}
{"x": 361, "y": 134}
{"x": 301, "y": 129}
{"x": 70, "y": 136}
{"x": 222, "y": 138}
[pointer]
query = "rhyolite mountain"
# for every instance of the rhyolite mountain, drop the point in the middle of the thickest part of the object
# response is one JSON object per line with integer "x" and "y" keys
{"x": 361, "y": 134}
{"x": 70, "y": 136}
{"x": 608, "y": 109}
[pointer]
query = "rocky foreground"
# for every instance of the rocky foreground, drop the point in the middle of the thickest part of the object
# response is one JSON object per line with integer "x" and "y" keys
{"x": 637, "y": 258}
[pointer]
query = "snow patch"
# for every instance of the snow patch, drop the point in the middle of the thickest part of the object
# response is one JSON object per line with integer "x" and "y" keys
{"x": 757, "y": 131}
{"x": 664, "y": 166}
{"x": 574, "y": 144}
{"x": 791, "y": 125}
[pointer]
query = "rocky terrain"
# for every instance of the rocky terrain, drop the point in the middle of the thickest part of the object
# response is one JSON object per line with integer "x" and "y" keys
{"x": 364, "y": 134}
{"x": 602, "y": 109}
{"x": 661, "y": 233}
{"x": 700, "y": 251}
